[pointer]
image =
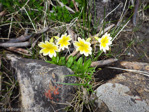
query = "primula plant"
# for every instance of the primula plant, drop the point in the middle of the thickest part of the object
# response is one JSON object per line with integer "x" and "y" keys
{"x": 81, "y": 66}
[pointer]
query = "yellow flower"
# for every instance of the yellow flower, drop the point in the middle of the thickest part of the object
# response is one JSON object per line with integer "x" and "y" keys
{"x": 105, "y": 41}
{"x": 64, "y": 41}
{"x": 83, "y": 46}
{"x": 48, "y": 48}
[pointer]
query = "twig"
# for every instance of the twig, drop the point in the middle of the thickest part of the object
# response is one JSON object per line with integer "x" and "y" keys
{"x": 2, "y": 13}
{"x": 68, "y": 8}
{"x": 135, "y": 13}
{"x": 75, "y": 5}
{"x": 34, "y": 43}
{"x": 20, "y": 51}
{"x": 130, "y": 70}
{"x": 43, "y": 30}
{"x": 122, "y": 15}
{"x": 103, "y": 62}
{"x": 10, "y": 26}
{"x": 19, "y": 44}
{"x": 19, "y": 39}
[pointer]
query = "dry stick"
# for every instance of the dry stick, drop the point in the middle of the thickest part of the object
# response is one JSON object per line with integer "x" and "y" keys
{"x": 20, "y": 39}
{"x": 34, "y": 43}
{"x": 103, "y": 62}
{"x": 122, "y": 15}
{"x": 130, "y": 70}
{"x": 75, "y": 5}
{"x": 43, "y": 30}
{"x": 2, "y": 13}
{"x": 68, "y": 8}
{"x": 135, "y": 13}
{"x": 46, "y": 6}
{"x": 20, "y": 51}
{"x": 10, "y": 26}
{"x": 19, "y": 44}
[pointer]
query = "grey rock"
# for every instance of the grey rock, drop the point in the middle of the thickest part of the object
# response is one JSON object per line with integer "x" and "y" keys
{"x": 127, "y": 92}
{"x": 39, "y": 90}
{"x": 98, "y": 105}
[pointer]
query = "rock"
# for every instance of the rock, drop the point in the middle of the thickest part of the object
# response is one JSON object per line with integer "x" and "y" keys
{"x": 98, "y": 105}
{"x": 100, "y": 8}
{"x": 39, "y": 90}
{"x": 127, "y": 92}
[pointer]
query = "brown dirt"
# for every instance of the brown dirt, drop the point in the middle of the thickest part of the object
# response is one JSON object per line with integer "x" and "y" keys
{"x": 133, "y": 43}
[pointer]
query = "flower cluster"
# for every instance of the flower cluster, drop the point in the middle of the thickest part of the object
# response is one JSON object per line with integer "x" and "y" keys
{"x": 83, "y": 46}
{"x": 50, "y": 48}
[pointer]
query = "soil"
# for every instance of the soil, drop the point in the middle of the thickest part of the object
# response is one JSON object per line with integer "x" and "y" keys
{"x": 133, "y": 44}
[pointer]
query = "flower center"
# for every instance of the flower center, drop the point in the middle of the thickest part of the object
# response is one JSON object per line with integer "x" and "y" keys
{"x": 104, "y": 42}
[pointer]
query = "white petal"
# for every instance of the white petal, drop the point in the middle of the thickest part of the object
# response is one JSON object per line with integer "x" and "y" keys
{"x": 110, "y": 38}
{"x": 79, "y": 38}
{"x": 45, "y": 54}
{"x": 86, "y": 54}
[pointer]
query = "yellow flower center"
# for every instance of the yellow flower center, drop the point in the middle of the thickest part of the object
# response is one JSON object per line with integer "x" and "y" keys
{"x": 104, "y": 41}
{"x": 49, "y": 48}
{"x": 83, "y": 46}
{"x": 64, "y": 41}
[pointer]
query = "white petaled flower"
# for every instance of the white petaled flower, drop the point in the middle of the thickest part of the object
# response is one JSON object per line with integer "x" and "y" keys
{"x": 64, "y": 41}
{"x": 48, "y": 48}
{"x": 83, "y": 46}
{"x": 105, "y": 41}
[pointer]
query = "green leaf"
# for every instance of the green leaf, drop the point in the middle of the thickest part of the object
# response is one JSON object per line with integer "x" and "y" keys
{"x": 62, "y": 61}
{"x": 80, "y": 61}
{"x": 72, "y": 84}
{"x": 69, "y": 62}
{"x": 57, "y": 59}
{"x": 51, "y": 62}
{"x": 76, "y": 75}
{"x": 87, "y": 64}
{"x": 75, "y": 67}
